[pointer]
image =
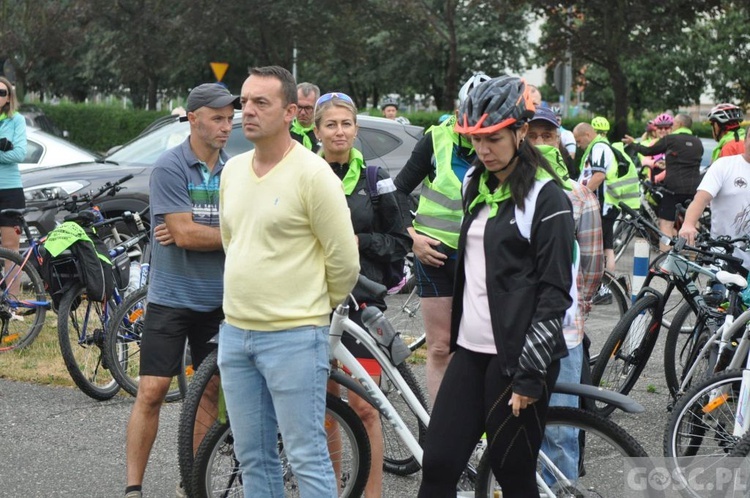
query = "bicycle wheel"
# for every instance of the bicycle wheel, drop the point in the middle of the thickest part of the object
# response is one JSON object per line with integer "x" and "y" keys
{"x": 603, "y": 465}
{"x": 627, "y": 350}
{"x": 81, "y": 326}
{"x": 216, "y": 469}
{"x": 404, "y": 313}
{"x": 196, "y": 418}
{"x": 397, "y": 459}
{"x": 22, "y": 314}
{"x": 622, "y": 235}
{"x": 702, "y": 427}
{"x": 685, "y": 339}
{"x": 122, "y": 345}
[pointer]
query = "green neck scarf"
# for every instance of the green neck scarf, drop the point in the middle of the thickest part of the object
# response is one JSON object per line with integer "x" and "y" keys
{"x": 298, "y": 129}
{"x": 493, "y": 199}
{"x": 3, "y": 116}
{"x": 356, "y": 165}
{"x": 682, "y": 131}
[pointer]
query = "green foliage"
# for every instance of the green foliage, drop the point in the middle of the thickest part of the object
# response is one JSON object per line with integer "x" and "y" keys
{"x": 425, "y": 118}
{"x": 99, "y": 127}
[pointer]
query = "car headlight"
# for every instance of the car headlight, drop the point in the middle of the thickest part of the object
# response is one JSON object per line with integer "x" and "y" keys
{"x": 52, "y": 191}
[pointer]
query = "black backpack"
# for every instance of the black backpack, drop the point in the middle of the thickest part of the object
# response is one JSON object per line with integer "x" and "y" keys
{"x": 393, "y": 271}
{"x": 78, "y": 264}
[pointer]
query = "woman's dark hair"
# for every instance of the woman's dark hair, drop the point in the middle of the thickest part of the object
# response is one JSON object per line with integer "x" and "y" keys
{"x": 519, "y": 181}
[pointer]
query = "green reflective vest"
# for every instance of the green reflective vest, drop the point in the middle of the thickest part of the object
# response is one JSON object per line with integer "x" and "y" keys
{"x": 440, "y": 211}
{"x": 621, "y": 179}
{"x": 726, "y": 138}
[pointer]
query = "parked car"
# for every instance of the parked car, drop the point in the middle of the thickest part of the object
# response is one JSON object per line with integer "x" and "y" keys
{"x": 383, "y": 142}
{"x": 44, "y": 150}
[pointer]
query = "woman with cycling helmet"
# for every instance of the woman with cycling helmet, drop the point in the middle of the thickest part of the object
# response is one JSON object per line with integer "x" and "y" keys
{"x": 381, "y": 238}
{"x": 513, "y": 287}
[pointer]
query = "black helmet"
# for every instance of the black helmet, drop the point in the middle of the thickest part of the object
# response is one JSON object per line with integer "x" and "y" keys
{"x": 495, "y": 104}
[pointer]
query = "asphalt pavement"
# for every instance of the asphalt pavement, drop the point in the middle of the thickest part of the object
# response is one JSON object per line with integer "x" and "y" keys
{"x": 56, "y": 442}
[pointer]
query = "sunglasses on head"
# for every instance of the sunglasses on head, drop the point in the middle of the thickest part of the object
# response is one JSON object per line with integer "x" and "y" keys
{"x": 3, "y": 92}
{"x": 333, "y": 95}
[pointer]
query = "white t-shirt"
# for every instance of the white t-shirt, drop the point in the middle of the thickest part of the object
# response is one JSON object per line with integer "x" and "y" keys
{"x": 600, "y": 159}
{"x": 568, "y": 141}
{"x": 728, "y": 182}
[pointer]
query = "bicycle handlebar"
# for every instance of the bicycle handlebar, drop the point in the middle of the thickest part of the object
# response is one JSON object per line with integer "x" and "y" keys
{"x": 679, "y": 243}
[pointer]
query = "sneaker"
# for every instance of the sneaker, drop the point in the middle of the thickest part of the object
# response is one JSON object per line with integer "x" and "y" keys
{"x": 134, "y": 494}
{"x": 16, "y": 317}
{"x": 180, "y": 492}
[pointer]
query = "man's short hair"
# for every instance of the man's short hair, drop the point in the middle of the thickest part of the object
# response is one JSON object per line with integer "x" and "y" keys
{"x": 685, "y": 120}
{"x": 308, "y": 88}
{"x": 288, "y": 85}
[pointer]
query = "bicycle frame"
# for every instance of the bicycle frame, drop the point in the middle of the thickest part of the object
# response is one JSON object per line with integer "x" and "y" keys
{"x": 340, "y": 322}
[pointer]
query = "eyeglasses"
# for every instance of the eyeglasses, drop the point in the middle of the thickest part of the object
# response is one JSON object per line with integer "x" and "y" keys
{"x": 3, "y": 92}
{"x": 306, "y": 108}
{"x": 337, "y": 95}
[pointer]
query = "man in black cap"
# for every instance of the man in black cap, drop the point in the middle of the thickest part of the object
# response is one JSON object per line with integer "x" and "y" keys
{"x": 186, "y": 277}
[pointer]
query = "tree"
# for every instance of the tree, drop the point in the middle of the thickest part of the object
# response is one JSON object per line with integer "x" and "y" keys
{"x": 619, "y": 35}
{"x": 724, "y": 40}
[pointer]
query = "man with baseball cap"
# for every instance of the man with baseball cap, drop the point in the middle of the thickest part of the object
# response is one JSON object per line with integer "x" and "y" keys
{"x": 561, "y": 445}
{"x": 187, "y": 265}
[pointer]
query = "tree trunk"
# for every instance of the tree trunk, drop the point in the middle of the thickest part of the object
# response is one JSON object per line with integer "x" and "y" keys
{"x": 620, "y": 89}
{"x": 451, "y": 73}
{"x": 152, "y": 90}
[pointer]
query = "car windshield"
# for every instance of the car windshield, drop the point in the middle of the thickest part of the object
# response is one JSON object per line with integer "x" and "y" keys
{"x": 147, "y": 148}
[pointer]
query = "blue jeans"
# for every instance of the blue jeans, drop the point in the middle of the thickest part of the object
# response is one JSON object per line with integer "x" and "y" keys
{"x": 561, "y": 444}
{"x": 277, "y": 381}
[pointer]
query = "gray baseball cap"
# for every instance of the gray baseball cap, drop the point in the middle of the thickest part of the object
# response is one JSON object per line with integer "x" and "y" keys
{"x": 211, "y": 95}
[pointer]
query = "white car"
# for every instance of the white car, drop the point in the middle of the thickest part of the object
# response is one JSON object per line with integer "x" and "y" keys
{"x": 44, "y": 150}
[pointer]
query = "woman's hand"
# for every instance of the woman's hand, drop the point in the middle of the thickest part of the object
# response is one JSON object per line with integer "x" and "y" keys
{"x": 162, "y": 235}
{"x": 423, "y": 250}
{"x": 519, "y": 402}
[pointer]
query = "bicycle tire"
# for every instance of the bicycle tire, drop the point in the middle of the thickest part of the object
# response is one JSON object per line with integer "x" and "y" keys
{"x": 602, "y": 318}
{"x": 217, "y": 448}
{"x": 84, "y": 358}
{"x": 397, "y": 459}
{"x": 14, "y": 333}
{"x": 122, "y": 345}
{"x": 626, "y": 351}
{"x": 681, "y": 348}
{"x": 188, "y": 435}
{"x": 405, "y": 314}
{"x": 701, "y": 426}
{"x": 599, "y": 461}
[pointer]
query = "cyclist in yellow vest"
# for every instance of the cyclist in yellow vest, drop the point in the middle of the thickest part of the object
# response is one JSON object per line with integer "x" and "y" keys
{"x": 439, "y": 162}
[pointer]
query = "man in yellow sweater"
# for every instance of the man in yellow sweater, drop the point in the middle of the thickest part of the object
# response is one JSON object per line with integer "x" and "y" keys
{"x": 291, "y": 256}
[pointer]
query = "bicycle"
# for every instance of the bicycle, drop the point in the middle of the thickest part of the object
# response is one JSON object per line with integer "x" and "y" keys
{"x": 25, "y": 269}
{"x": 226, "y": 480}
{"x": 628, "y": 348}
{"x": 707, "y": 424}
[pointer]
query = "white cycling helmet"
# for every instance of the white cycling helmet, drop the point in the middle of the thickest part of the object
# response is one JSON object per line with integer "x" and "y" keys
{"x": 474, "y": 81}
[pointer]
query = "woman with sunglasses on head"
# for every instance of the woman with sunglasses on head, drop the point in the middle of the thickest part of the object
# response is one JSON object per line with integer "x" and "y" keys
{"x": 12, "y": 152}
{"x": 514, "y": 277}
{"x": 381, "y": 238}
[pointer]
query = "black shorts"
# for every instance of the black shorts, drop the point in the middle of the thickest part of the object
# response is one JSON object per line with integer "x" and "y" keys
{"x": 668, "y": 205}
{"x": 433, "y": 281}
{"x": 164, "y": 334}
{"x": 608, "y": 227}
{"x": 11, "y": 198}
